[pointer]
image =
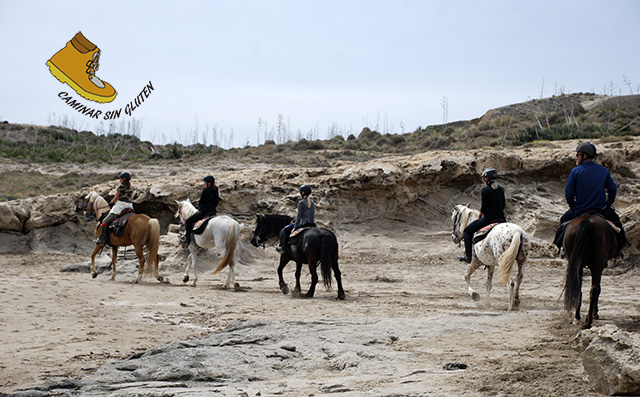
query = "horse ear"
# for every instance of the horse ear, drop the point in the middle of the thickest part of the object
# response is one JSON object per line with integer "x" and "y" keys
{"x": 468, "y": 204}
{"x": 187, "y": 200}
{"x": 453, "y": 206}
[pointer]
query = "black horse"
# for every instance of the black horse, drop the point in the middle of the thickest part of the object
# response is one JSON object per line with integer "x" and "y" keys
{"x": 589, "y": 241}
{"x": 311, "y": 246}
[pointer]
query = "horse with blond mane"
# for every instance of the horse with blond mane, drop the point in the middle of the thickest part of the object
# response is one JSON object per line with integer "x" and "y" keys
{"x": 140, "y": 231}
{"x": 221, "y": 231}
{"x": 505, "y": 245}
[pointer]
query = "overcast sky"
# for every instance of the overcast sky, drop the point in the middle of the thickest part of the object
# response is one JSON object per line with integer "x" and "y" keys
{"x": 346, "y": 63}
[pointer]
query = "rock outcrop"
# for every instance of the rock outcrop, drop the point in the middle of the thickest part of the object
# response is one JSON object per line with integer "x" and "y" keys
{"x": 611, "y": 359}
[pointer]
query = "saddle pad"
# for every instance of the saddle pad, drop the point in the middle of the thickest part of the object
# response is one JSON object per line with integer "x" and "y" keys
{"x": 120, "y": 223}
{"x": 482, "y": 233}
{"x": 297, "y": 233}
{"x": 616, "y": 229}
{"x": 199, "y": 226}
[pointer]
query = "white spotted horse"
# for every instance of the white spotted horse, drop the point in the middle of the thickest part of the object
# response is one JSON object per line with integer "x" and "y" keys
{"x": 221, "y": 231}
{"x": 505, "y": 245}
{"x": 313, "y": 246}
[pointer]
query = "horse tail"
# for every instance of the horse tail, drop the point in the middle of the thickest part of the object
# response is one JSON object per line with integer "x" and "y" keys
{"x": 232, "y": 241}
{"x": 580, "y": 251}
{"x": 509, "y": 257}
{"x": 153, "y": 243}
{"x": 328, "y": 256}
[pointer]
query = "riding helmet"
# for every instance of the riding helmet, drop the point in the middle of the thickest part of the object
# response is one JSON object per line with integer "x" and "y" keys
{"x": 209, "y": 179}
{"x": 306, "y": 189}
{"x": 587, "y": 148}
{"x": 125, "y": 175}
{"x": 490, "y": 174}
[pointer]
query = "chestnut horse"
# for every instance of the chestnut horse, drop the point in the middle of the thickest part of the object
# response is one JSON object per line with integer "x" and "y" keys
{"x": 314, "y": 246}
{"x": 141, "y": 231}
{"x": 589, "y": 241}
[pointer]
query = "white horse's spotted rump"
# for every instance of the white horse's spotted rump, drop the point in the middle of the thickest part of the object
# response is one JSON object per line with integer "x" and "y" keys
{"x": 506, "y": 244}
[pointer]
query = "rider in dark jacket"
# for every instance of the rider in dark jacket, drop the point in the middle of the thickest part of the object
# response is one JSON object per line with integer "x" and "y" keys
{"x": 305, "y": 217}
{"x": 491, "y": 210}
{"x": 207, "y": 206}
{"x": 590, "y": 188}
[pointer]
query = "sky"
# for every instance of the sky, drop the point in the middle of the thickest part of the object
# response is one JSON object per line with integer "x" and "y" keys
{"x": 231, "y": 72}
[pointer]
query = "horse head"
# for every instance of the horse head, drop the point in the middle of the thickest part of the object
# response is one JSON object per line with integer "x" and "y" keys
{"x": 185, "y": 210}
{"x": 461, "y": 217}
{"x": 259, "y": 235}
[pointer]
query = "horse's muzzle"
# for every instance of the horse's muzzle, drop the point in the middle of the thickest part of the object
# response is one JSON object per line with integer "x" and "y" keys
{"x": 455, "y": 239}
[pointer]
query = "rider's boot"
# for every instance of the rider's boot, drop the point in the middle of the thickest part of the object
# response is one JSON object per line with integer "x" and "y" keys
{"x": 102, "y": 240}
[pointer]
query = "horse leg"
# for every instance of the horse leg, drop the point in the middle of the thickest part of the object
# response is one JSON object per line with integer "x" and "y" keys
{"x": 185, "y": 278}
{"x": 297, "y": 291}
{"x": 473, "y": 266}
{"x": 313, "y": 269}
{"x": 338, "y": 276}
{"x": 96, "y": 250}
{"x": 593, "y": 298}
{"x": 577, "y": 318}
{"x": 519, "y": 277}
{"x": 490, "y": 270}
{"x": 140, "y": 254}
{"x": 114, "y": 259}
{"x": 283, "y": 286}
{"x": 194, "y": 258}
{"x": 231, "y": 278}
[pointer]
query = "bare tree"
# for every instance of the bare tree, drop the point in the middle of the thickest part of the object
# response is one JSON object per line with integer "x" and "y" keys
{"x": 445, "y": 109}
{"x": 627, "y": 81}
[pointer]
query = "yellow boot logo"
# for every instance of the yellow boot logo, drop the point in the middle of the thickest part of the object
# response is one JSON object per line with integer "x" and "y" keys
{"x": 76, "y": 65}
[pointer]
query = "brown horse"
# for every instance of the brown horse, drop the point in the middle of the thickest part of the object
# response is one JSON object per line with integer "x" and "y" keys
{"x": 142, "y": 232}
{"x": 589, "y": 241}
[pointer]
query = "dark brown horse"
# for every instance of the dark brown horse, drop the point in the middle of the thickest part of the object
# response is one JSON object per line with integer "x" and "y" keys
{"x": 589, "y": 241}
{"x": 314, "y": 246}
{"x": 142, "y": 232}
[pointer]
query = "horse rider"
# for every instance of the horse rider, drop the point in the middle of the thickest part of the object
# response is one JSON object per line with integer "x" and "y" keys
{"x": 590, "y": 188}
{"x": 207, "y": 206}
{"x": 120, "y": 202}
{"x": 305, "y": 217}
{"x": 491, "y": 211}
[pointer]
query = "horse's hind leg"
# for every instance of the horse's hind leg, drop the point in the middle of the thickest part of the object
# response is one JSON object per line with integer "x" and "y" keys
{"x": 140, "y": 254}
{"x": 519, "y": 277}
{"x": 191, "y": 263}
{"x": 490, "y": 271}
{"x": 314, "y": 278}
{"x": 338, "y": 276}
{"x": 593, "y": 298}
{"x": 473, "y": 266}
{"x": 297, "y": 291}
{"x": 114, "y": 259}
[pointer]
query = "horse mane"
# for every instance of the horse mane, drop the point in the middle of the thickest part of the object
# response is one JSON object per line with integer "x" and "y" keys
{"x": 465, "y": 212}
{"x": 274, "y": 223}
{"x": 187, "y": 209}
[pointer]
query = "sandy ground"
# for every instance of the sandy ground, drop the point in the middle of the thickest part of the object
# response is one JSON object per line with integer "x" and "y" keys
{"x": 55, "y": 325}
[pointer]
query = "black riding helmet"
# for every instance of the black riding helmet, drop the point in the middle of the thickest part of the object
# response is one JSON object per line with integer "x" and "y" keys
{"x": 125, "y": 175}
{"x": 490, "y": 174}
{"x": 587, "y": 148}
{"x": 306, "y": 189}
{"x": 209, "y": 179}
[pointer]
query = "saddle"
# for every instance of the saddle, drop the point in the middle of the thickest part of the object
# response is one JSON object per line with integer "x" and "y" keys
{"x": 120, "y": 222}
{"x": 200, "y": 225}
{"x": 482, "y": 233}
{"x": 295, "y": 235}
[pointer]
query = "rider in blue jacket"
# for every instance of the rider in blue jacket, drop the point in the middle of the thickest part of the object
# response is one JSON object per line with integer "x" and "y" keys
{"x": 590, "y": 188}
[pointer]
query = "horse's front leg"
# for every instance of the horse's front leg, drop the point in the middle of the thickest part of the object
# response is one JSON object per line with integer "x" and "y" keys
{"x": 96, "y": 250}
{"x": 593, "y": 298}
{"x": 140, "y": 254}
{"x": 283, "y": 286}
{"x": 114, "y": 259}
{"x": 473, "y": 266}
{"x": 191, "y": 263}
{"x": 338, "y": 275}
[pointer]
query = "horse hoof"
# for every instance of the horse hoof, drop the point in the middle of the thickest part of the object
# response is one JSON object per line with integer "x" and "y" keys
{"x": 284, "y": 289}
{"x": 340, "y": 297}
{"x": 236, "y": 287}
{"x": 160, "y": 278}
{"x": 185, "y": 279}
{"x": 94, "y": 275}
{"x": 475, "y": 296}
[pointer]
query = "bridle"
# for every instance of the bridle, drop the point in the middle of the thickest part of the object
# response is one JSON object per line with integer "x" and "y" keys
{"x": 455, "y": 235}
{"x": 93, "y": 211}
